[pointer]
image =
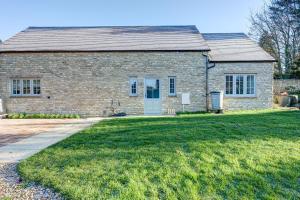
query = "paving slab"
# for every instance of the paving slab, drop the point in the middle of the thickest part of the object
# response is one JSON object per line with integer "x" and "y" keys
{"x": 37, "y": 141}
{"x": 13, "y": 130}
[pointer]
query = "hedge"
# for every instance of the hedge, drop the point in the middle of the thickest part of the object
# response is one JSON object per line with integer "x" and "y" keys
{"x": 42, "y": 116}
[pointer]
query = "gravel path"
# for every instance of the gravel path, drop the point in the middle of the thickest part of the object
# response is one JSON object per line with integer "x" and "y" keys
{"x": 11, "y": 186}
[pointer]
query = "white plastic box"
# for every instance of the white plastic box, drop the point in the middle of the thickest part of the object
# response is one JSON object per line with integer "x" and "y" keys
{"x": 216, "y": 101}
{"x": 1, "y": 106}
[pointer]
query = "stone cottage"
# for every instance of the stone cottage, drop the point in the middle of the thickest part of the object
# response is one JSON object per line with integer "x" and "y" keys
{"x": 94, "y": 71}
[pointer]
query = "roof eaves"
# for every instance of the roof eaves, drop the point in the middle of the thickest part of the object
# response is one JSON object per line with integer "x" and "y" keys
{"x": 82, "y": 51}
{"x": 242, "y": 61}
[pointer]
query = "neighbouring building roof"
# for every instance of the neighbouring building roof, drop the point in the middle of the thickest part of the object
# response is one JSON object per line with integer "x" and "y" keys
{"x": 234, "y": 47}
{"x": 106, "y": 38}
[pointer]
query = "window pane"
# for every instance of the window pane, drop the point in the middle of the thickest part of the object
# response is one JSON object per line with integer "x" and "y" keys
{"x": 152, "y": 89}
{"x": 133, "y": 86}
{"x": 36, "y": 87}
{"x": 239, "y": 84}
{"x": 156, "y": 90}
{"x": 250, "y": 84}
{"x": 172, "y": 85}
{"x": 149, "y": 92}
{"x": 26, "y": 86}
{"x": 229, "y": 84}
{"x": 16, "y": 87}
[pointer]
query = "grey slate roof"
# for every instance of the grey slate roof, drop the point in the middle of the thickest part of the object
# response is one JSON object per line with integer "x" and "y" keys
{"x": 106, "y": 38}
{"x": 226, "y": 47}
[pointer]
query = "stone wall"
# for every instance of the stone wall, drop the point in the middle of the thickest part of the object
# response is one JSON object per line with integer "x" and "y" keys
{"x": 264, "y": 78}
{"x": 86, "y": 83}
{"x": 279, "y": 85}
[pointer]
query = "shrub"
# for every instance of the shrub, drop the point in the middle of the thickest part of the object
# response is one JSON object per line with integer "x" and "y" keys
{"x": 190, "y": 113}
{"x": 13, "y": 116}
{"x": 42, "y": 116}
{"x": 275, "y": 100}
{"x": 292, "y": 90}
{"x": 75, "y": 116}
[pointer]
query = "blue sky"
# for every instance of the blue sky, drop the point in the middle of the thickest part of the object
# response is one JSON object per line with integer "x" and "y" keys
{"x": 208, "y": 15}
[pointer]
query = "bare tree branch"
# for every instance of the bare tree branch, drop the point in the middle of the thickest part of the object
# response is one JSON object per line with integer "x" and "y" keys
{"x": 277, "y": 28}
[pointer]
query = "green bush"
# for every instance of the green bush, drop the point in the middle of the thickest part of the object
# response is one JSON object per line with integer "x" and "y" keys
{"x": 42, "y": 116}
{"x": 190, "y": 113}
{"x": 292, "y": 90}
{"x": 14, "y": 116}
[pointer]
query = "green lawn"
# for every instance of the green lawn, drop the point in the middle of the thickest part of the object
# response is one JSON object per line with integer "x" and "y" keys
{"x": 241, "y": 155}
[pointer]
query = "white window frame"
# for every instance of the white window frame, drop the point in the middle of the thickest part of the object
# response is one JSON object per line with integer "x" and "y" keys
{"x": 131, "y": 79}
{"x": 21, "y": 87}
{"x": 32, "y": 89}
{"x": 12, "y": 86}
{"x": 244, "y": 86}
{"x": 169, "y": 88}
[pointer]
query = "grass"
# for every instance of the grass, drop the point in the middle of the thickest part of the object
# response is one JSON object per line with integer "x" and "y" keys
{"x": 240, "y": 155}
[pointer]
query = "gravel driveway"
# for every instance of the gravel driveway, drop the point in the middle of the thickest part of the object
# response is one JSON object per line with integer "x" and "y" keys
{"x": 11, "y": 186}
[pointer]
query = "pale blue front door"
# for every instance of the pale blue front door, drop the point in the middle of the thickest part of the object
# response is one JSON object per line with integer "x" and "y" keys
{"x": 152, "y": 103}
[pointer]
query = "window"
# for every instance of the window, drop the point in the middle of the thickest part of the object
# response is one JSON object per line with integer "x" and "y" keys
{"x": 239, "y": 82}
{"x": 133, "y": 86}
{"x": 36, "y": 87}
{"x": 152, "y": 88}
{"x": 229, "y": 84}
{"x": 240, "y": 85}
{"x": 16, "y": 87}
{"x": 25, "y": 87}
{"x": 172, "y": 86}
{"x": 250, "y": 84}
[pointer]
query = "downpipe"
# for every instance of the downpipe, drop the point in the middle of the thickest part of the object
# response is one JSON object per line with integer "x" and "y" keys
{"x": 207, "y": 67}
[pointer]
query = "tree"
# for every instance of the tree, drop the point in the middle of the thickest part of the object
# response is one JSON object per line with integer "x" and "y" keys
{"x": 277, "y": 28}
{"x": 267, "y": 43}
{"x": 295, "y": 70}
